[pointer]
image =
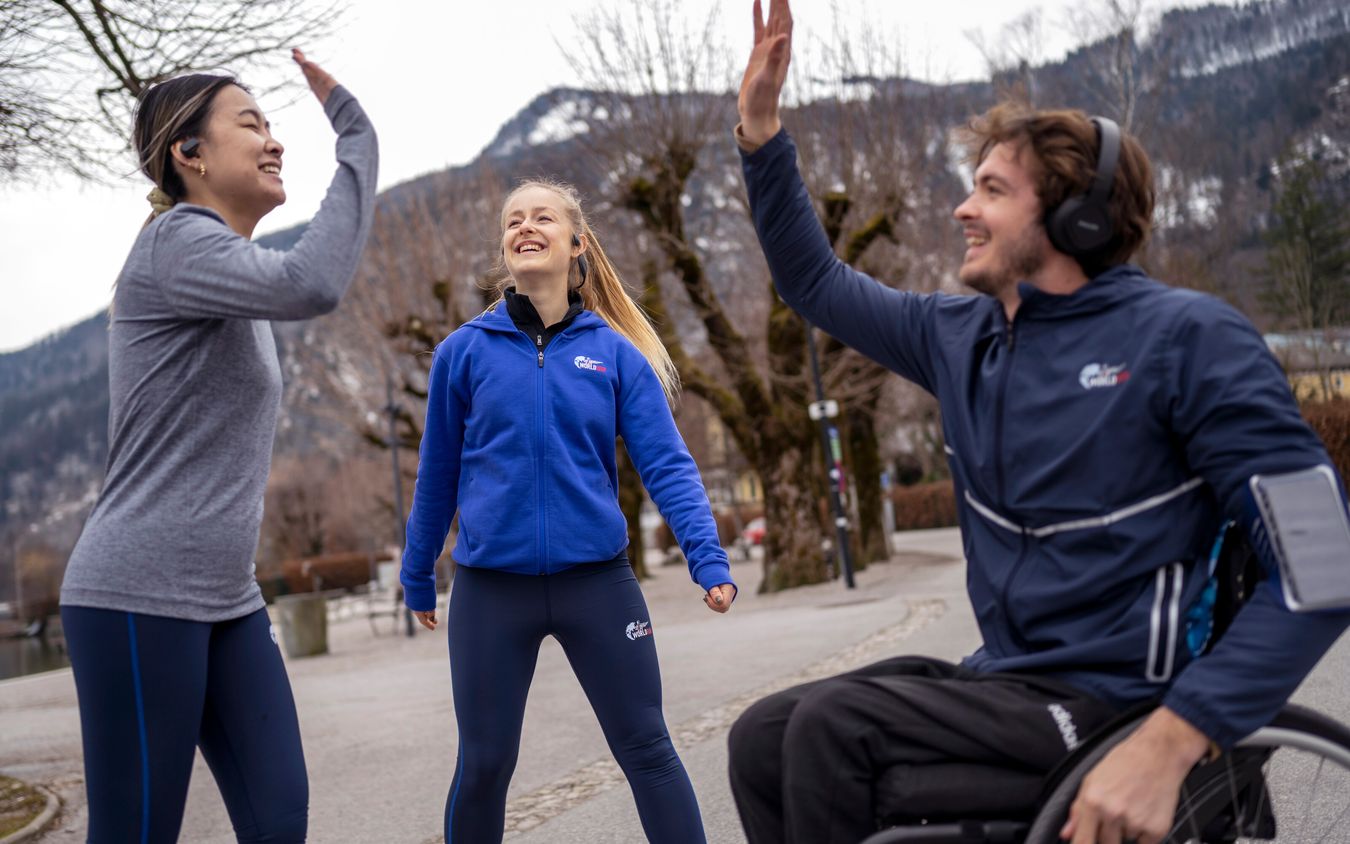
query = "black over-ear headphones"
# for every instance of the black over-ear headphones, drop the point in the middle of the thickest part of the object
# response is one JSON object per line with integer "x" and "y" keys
{"x": 582, "y": 268}
{"x": 1081, "y": 225}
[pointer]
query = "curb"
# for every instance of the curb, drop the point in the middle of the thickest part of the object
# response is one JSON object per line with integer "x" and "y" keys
{"x": 39, "y": 824}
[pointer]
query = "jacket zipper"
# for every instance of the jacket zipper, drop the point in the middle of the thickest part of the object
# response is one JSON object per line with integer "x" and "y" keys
{"x": 539, "y": 473}
{"x": 1009, "y": 340}
{"x": 1010, "y": 337}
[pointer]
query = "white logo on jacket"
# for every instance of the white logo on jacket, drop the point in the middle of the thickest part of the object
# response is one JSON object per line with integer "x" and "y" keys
{"x": 1103, "y": 375}
{"x": 638, "y": 629}
{"x": 583, "y": 362}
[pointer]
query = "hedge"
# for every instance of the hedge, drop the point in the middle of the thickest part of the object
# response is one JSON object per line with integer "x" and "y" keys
{"x": 331, "y": 571}
{"x": 930, "y": 505}
{"x": 1331, "y": 421}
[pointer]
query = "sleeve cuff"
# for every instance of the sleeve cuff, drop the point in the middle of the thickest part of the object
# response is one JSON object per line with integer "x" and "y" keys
{"x": 714, "y": 573}
{"x": 750, "y": 150}
{"x": 338, "y": 98}
{"x": 1220, "y": 736}
{"x": 419, "y": 597}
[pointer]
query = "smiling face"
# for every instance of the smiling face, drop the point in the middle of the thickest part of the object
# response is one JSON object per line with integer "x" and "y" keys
{"x": 537, "y": 236}
{"x": 242, "y": 159}
{"x": 1001, "y": 220}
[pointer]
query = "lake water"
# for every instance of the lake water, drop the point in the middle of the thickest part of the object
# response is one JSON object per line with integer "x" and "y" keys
{"x": 30, "y": 656}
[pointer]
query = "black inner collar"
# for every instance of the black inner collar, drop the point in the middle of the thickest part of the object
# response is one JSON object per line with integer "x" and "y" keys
{"x": 527, "y": 319}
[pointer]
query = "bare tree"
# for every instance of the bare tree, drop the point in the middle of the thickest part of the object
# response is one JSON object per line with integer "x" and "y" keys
{"x": 665, "y": 78}
{"x": 1127, "y": 68}
{"x": 72, "y": 70}
{"x": 870, "y": 148}
{"x": 666, "y": 82}
{"x": 1012, "y": 56}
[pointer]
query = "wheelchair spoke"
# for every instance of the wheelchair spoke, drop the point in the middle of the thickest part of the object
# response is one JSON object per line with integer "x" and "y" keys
{"x": 1303, "y": 792}
{"x": 1187, "y": 814}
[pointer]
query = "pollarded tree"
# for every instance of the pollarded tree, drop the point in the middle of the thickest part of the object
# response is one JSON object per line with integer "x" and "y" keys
{"x": 72, "y": 70}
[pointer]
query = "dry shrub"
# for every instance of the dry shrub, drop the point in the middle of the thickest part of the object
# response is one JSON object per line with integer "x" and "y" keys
{"x": 930, "y": 505}
{"x": 1331, "y": 421}
{"x": 331, "y": 571}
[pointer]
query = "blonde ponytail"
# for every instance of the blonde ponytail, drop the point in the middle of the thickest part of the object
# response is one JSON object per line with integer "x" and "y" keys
{"x": 603, "y": 292}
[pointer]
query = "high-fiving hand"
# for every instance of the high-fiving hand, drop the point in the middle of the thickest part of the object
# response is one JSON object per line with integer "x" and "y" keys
{"x": 765, "y": 73}
{"x": 321, "y": 82}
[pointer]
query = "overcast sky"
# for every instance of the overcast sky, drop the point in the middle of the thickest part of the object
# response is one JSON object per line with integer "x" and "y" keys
{"x": 438, "y": 80}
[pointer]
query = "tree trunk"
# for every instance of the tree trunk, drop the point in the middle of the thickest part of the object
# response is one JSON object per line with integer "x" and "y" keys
{"x": 865, "y": 464}
{"x": 793, "y": 552}
{"x": 630, "y": 502}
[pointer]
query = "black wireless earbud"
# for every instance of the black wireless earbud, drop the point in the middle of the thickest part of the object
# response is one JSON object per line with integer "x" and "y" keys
{"x": 582, "y": 267}
{"x": 1081, "y": 225}
{"x": 189, "y": 148}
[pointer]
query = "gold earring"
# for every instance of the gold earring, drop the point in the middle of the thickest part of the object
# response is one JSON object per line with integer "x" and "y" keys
{"x": 201, "y": 168}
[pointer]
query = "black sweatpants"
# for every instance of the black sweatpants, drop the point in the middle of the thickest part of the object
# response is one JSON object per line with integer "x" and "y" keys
{"x": 910, "y": 737}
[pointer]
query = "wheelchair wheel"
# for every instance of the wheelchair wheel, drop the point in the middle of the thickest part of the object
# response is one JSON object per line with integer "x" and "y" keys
{"x": 1288, "y": 782}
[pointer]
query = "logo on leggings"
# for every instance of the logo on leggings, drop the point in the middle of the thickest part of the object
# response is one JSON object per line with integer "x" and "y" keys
{"x": 638, "y": 629}
{"x": 272, "y": 631}
{"x": 1067, "y": 730}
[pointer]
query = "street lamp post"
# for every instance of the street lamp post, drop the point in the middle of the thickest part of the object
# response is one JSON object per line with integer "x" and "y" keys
{"x": 823, "y": 411}
{"x": 392, "y": 409}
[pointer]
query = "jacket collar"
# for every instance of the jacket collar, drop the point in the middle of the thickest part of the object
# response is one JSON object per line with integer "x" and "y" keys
{"x": 523, "y": 313}
{"x": 1112, "y": 287}
{"x": 498, "y": 318}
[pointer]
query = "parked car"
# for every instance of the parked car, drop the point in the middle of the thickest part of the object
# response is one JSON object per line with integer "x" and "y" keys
{"x": 754, "y": 531}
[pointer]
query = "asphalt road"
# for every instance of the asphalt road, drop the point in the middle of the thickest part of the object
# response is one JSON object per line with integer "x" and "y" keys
{"x": 379, "y": 730}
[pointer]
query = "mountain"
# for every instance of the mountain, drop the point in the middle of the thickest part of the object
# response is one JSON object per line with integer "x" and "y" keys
{"x": 1272, "y": 76}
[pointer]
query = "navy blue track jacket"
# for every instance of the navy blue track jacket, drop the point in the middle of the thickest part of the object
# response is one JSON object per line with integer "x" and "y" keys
{"x": 521, "y": 443}
{"x": 1097, "y": 443}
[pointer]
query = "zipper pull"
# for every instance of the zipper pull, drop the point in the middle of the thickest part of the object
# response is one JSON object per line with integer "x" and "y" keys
{"x": 541, "y": 360}
{"x": 539, "y": 344}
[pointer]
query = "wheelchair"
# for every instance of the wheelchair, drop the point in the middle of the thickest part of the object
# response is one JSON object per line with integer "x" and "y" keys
{"x": 1287, "y": 782}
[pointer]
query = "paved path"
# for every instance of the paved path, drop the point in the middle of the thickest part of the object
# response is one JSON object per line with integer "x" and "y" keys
{"x": 379, "y": 730}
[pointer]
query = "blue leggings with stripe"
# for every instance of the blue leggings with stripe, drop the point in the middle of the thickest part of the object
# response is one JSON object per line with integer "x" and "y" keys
{"x": 152, "y": 690}
{"x": 496, "y": 623}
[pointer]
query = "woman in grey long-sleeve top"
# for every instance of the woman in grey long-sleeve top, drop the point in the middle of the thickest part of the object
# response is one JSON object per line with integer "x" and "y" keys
{"x": 168, "y": 635}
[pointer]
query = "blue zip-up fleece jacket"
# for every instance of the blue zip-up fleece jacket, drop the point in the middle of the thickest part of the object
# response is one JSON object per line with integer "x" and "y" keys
{"x": 1097, "y": 444}
{"x": 521, "y": 442}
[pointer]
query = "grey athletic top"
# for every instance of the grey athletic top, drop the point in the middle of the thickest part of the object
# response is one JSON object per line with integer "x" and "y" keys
{"x": 195, "y": 386}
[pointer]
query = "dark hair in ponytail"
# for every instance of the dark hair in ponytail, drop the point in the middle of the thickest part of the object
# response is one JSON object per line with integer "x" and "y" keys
{"x": 169, "y": 112}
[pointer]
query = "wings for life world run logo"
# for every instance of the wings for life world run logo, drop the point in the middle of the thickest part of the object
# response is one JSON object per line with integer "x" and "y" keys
{"x": 1103, "y": 375}
{"x": 584, "y": 362}
{"x": 638, "y": 629}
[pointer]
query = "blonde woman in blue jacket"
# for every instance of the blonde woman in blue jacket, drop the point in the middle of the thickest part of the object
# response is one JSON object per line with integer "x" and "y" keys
{"x": 525, "y": 402}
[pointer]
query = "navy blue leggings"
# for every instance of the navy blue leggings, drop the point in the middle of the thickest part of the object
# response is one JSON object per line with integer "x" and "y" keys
{"x": 596, "y": 612}
{"x": 153, "y": 689}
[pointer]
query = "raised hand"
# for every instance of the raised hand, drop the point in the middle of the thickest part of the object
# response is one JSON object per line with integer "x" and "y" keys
{"x": 766, "y": 72}
{"x": 320, "y": 81}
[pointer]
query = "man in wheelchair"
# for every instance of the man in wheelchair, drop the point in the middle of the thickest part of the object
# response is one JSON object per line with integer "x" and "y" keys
{"x": 1101, "y": 428}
